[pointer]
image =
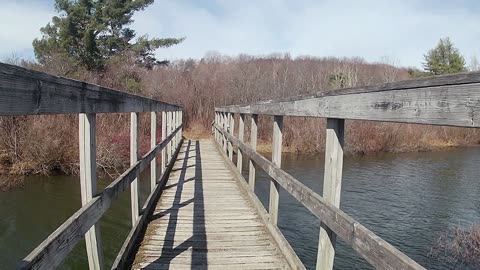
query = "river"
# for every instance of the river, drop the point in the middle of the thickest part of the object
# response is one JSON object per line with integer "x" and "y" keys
{"x": 408, "y": 199}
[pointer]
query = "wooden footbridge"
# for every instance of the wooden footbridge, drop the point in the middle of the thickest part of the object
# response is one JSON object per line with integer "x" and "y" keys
{"x": 202, "y": 213}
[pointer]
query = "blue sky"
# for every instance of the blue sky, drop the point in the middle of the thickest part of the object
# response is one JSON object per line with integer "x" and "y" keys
{"x": 402, "y": 30}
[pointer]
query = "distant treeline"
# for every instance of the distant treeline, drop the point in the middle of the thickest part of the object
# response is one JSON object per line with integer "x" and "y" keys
{"x": 46, "y": 144}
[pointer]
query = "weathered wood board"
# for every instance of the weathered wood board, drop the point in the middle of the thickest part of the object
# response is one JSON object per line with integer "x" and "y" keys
{"x": 203, "y": 220}
{"x": 452, "y": 100}
{"x": 24, "y": 91}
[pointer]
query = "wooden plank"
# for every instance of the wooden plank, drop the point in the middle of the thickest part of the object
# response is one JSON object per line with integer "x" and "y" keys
{"x": 282, "y": 243}
{"x": 276, "y": 160}
{"x": 374, "y": 249}
{"x": 53, "y": 250}
{"x": 447, "y": 105}
{"x": 241, "y": 131}
{"x": 173, "y": 142}
{"x": 129, "y": 247}
{"x": 24, "y": 92}
{"x": 153, "y": 143}
{"x": 224, "y": 126}
{"x": 230, "y": 128}
{"x": 88, "y": 184}
{"x": 207, "y": 216}
{"x": 169, "y": 128}
{"x": 253, "y": 145}
{"x": 332, "y": 185}
{"x": 164, "y": 135}
{"x": 180, "y": 123}
{"x": 134, "y": 153}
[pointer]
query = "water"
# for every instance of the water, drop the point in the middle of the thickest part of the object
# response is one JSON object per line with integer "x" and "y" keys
{"x": 407, "y": 199}
{"x": 30, "y": 213}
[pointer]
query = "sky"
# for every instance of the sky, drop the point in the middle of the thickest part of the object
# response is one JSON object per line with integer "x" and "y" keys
{"x": 400, "y": 30}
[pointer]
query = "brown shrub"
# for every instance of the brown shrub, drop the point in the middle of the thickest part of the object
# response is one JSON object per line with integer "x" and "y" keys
{"x": 46, "y": 144}
{"x": 460, "y": 245}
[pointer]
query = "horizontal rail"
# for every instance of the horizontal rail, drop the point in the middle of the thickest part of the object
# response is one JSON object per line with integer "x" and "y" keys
{"x": 374, "y": 249}
{"x": 28, "y": 92}
{"x": 53, "y": 250}
{"x": 451, "y": 100}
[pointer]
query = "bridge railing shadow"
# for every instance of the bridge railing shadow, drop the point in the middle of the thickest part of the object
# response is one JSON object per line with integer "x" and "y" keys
{"x": 197, "y": 242}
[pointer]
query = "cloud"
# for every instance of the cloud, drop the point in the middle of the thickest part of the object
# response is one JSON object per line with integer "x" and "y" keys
{"x": 401, "y": 30}
{"x": 20, "y": 23}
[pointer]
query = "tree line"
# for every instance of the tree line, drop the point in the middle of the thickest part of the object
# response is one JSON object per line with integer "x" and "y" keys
{"x": 91, "y": 41}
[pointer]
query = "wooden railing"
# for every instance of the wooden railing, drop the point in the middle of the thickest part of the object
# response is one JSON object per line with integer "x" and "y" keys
{"x": 28, "y": 92}
{"x": 452, "y": 100}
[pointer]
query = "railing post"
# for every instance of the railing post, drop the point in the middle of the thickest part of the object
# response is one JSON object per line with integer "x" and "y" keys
{"x": 178, "y": 125}
{"x": 88, "y": 184}
{"x": 253, "y": 145}
{"x": 180, "y": 134}
{"x": 153, "y": 143}
{"x": 224, "y": 125}
{"x": 215, "y": 122}
{"x": 134, "y": 128}
{"x": 231, "y": 126}
{"x": 241, "y": 131}
{"x": 332, "y": 184}
{"x": 277, "y": 160}
{"x": 169, "y": 130}
{"x": 172, "y": 128}
{"x": 164, "y": 136}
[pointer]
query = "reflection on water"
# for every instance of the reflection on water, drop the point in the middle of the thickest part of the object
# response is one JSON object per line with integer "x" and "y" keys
{"x": 407, "y": 199}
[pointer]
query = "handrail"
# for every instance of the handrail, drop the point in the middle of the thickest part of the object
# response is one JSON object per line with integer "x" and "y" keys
{"x": 53, "y": 250}
{"x": 374, "y": 249}
{"x": 450, "y": 100}
{"x": 29, "y": 92}
{"x": 26, "y": 92}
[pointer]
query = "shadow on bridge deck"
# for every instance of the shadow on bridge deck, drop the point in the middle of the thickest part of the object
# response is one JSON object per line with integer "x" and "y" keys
{"x": 204, "y": 221}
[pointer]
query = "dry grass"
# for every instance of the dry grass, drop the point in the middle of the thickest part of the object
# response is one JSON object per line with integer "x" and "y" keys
{"x": 461, "y": 245}
{"x": 49, "y": 144}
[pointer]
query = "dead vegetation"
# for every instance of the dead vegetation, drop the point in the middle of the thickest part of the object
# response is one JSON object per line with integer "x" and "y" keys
{"x": 49, "y": 144}
{"x": 460, "y": 245}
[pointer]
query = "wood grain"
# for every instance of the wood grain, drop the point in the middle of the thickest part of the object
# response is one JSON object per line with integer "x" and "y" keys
{"x": 372, "y": 248}
{"x": 205, "y": 222}
{"x": 27, "y": 92}
{"x": 53, "y": 250}
{"x": 448, "y": 105}
{"x": 332, "y": 186}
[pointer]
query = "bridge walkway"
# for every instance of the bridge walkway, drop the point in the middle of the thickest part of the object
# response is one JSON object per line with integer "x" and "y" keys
{"x": 204, "y": 220}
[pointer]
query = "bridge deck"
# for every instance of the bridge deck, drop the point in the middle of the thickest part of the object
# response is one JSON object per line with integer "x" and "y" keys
{"x": 204, "y": 220}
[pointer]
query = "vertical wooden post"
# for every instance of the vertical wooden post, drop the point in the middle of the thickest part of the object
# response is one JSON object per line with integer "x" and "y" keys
{"x": 178, "y": 125}
{"x": 169, "y": 129}
{"x": 253, "y": 145}
{"x": 215, "y": 123}
{"x": 332, "y": 184}
{"x": 134, "y": 128}
{"x": 241, "y": 131}
{"x": 231, "y": 127}
{"x": 164, "y": 136}
{"x": 224, "y": 122}
{"x": 172, "y": 128}
{"x": 277, "y": 160}
{"x": 180, "y": 135}
{"x": 153, "y": 143}
{"x": 88, "y": 184}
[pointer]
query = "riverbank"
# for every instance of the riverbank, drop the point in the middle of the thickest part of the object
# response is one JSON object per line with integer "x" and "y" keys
{"x": 60, "y": 156}
{"x": 409, "y": 199}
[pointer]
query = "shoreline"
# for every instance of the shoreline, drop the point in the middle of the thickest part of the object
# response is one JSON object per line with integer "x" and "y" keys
{"x": 9, "y": 181}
